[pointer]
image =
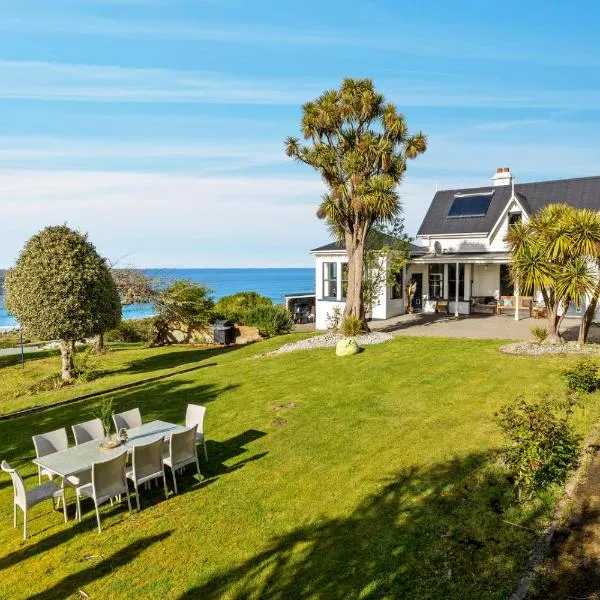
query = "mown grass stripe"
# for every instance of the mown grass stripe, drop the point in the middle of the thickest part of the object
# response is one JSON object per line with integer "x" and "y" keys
{"x": 116, "y": 388}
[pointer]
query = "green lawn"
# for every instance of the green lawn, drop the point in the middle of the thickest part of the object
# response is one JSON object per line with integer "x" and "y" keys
{"x": 370, "y": 485}
{"x": 122, "y": 364}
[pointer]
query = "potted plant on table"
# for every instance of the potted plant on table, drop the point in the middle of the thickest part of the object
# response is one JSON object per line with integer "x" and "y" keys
{"x": 105, "y": 415}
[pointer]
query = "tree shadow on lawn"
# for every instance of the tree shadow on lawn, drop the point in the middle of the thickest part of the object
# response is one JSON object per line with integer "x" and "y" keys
{"x": 174, "y": 358}
{"x": 165, "y": 400}
{"x": 78, "y": 581}
{"x": 219, "y": 452}
{"x": 36, "y": 542}
{"x": 432, "y": 532}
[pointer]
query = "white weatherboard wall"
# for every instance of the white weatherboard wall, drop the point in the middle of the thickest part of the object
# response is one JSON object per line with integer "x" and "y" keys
{"x": 384, "y": 307}
{"x": 486, "y": 280}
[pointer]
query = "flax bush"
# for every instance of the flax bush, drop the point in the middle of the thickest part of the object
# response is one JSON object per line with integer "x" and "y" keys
{"x": 352, "y": 326}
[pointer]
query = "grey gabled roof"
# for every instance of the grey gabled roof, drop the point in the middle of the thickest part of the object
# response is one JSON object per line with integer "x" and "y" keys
{"x": 413, "y": 249}
{"x": 583, "y": 192}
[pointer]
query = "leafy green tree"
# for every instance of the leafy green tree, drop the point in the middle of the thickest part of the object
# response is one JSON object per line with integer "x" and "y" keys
{"x": 183, "y": 304}
{"x": 555, "y": 252}
{"x": 134, "y": 286}
{"x": 235, "y": 306}
{"x": 360, "y": 146}
{"x": 386, "y": 253}
{"x": 60, "y": 288}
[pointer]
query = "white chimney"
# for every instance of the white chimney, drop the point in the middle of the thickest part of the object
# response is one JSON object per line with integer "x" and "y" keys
{"x": 503, "y": 176}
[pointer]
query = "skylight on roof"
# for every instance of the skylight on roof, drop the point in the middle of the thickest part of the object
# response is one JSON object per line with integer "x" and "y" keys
{"x": 470, "y": 205}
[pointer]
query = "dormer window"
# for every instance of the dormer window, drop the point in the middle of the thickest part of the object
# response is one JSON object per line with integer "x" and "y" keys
{"x": 514, "y": 218}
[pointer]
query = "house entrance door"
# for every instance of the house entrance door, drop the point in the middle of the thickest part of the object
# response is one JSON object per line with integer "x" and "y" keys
{"x": 417, "y": 300}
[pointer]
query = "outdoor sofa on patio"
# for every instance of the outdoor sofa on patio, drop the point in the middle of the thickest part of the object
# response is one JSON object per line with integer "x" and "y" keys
{"x": 509, "y": 303}
{"x": 484, "y": 304}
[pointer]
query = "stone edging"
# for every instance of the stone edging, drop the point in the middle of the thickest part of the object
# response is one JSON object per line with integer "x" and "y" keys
{"x": 541, "y": 545}
{"x": 124, "y": 386}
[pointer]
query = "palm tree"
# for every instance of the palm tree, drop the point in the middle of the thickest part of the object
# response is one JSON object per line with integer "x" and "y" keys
{"x": 360, "y": 146}
{"x": 555, "y": 252}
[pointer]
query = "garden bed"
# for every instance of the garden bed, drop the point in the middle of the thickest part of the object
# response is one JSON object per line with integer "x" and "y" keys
{"x": 535, "y": 349}
{"x": 329, "y": 340}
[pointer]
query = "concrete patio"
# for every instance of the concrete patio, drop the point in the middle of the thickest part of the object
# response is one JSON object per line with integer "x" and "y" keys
{"x": 478, "y": 326}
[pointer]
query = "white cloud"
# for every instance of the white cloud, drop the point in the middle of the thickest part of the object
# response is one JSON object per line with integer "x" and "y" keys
{"x": 170, "y": 220}
{"x": 36, "y": 80}
{"x": 208, "y": 156}
{"x": 440, "y": 40}
{"x": 165, "y": 219}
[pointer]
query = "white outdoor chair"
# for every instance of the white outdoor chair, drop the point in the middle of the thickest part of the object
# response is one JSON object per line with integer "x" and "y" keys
{"x": 25, "y": 499}
{"x": 182, "y": 451}
{"x": 194, "y": 415}
{"x": 55, "y": 441}
{"x": 147, "y": 465}
{"x": 88, "y": 431}
{"x": 108, "y": 481}
{"x": 127, "y": 420}
{"x": 48, "y": 443}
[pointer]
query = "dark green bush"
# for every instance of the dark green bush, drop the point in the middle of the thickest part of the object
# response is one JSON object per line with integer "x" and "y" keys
{"x": 541, "y": 444}
{"x": 270, "y": 320}
{"x": 134, "y": 330}
{"x": 236, "y": 306}
{"x": 582, "y": 377}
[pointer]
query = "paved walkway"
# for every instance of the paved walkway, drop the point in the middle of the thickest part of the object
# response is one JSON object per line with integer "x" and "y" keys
{"x": 503, "y": 327}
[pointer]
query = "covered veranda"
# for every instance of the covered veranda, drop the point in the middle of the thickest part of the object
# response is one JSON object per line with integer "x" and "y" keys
{"x": 463, "y": 283}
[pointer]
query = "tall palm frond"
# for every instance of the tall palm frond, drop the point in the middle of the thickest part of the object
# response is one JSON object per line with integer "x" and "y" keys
{"x": 584, "y": 233}
{"x": 518, "y": 236}
{"x": 532, "y": 268}
{"x": 576, "y": 280}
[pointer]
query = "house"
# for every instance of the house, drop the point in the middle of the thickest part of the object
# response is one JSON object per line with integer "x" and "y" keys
{"x": 463, "y": 258}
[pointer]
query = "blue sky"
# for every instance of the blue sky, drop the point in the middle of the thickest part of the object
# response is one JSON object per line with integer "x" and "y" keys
{"x": 157, "y": 125}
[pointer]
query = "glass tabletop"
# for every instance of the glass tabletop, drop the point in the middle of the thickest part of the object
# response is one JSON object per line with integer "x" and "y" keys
{"x": 80, "y": 458}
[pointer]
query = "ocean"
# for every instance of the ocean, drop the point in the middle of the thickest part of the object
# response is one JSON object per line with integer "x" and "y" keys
{"x": 273, "y": 283}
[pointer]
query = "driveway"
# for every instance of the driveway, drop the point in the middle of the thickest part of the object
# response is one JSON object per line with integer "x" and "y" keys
{"x": 502, "y": 327}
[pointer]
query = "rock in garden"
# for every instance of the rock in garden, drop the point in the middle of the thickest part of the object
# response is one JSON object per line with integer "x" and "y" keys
{"x": 346, "y": 347}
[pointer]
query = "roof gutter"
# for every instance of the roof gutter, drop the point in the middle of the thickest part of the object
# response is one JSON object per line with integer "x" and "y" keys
{"x": 429, "y": 236}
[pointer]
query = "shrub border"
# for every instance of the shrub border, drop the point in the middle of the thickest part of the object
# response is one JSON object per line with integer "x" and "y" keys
{"x": 35, "y": 409}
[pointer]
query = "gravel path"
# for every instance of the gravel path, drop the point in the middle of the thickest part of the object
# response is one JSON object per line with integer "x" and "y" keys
{"x": 329, "y": 340}
{"x": 530, "y": 348}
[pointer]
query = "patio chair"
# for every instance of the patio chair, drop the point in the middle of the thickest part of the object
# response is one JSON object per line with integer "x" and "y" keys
{"x": 147, "y": 465}
{"x": 182, "y": 452}
{"x": 194, "y": 415}
{"x": 48, "y": 443}
{"x": 25, "y": 499}
{"x": 128, "y": 419}
{"x": 108, "y": 481}
{"x": 88, "y": 431}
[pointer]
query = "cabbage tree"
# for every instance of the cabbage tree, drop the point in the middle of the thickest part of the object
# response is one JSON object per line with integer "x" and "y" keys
{"x": 556, "y": 252}
{"x": 360, "y": 145}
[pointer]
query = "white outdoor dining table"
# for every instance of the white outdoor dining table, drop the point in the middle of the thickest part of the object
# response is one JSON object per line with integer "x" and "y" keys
{"x": 80, "y": 458}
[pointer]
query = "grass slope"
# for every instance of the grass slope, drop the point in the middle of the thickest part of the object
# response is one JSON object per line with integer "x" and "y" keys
{"x": 369, "y": 485}
{"x": 124, "y": 363}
